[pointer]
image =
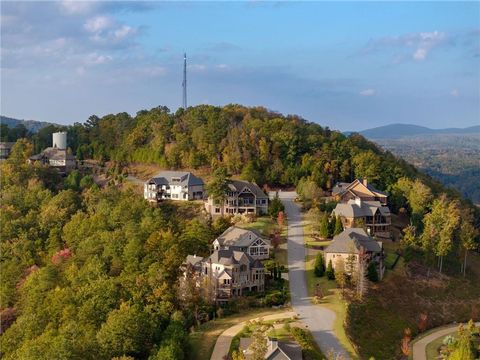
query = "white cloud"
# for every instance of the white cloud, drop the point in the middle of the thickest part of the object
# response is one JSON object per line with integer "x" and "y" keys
{"x": 367, "y": 92}
{"x": 72, "y": 7}
{"x": 197, "y": 67}
{"x": 95, "y": 59}
{"x": 420, "y": 54}
{"x": 124, "y": 31}
{"x": 223, "y": 66}
{"x": 97, "y": 24}
{"x": 416, "y": 46}
{"x": 455, "y": 93}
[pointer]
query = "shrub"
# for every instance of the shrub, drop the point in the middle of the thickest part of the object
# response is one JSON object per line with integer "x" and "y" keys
{"x": 372, "y": 273}
{"x": 319, "y": 269}
{"x": 275, "y": 298}
{"x": 330, "y": 273}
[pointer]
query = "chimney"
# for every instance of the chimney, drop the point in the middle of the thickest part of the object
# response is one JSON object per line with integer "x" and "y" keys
{"x": 273, "y": 344}
{"x": 365, "y": 182}
{"x": 358, "y": 201}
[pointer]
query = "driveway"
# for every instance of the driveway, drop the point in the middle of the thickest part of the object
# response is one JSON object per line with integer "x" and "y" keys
{"x": 222, "y": 346}
{"x": 420, "y": 347}
{"x": 317, "y": 319}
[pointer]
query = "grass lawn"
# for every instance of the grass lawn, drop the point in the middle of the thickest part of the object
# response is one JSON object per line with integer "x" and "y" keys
{"x": 332, "y": 300}
{"x": 432, "y": 348}
{"x": 202, "y": 340}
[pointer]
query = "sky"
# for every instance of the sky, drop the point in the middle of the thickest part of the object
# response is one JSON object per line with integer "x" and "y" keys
{"x": 346, "y": 65}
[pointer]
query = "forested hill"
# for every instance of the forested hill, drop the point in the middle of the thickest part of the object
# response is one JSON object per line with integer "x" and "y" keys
{"x": 258, "y": 144}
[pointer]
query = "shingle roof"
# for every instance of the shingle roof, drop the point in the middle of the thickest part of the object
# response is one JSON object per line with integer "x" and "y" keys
{"x": 350, "y": 240}
{"x": 193, "y": 259}
{"x": 239, "y": 185}
{"x": 229, "y": 257}
{"x": 342, "y": 187}
{"x": 352, "y": 209}
{"x": 186, "y": 178}
{"x": 54, "y": 154}
{"x": 235, "y": 236}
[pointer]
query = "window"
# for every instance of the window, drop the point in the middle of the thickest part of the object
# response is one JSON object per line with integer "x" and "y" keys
{"x": 217, "y": 210}
{"x": 174, "y": 196}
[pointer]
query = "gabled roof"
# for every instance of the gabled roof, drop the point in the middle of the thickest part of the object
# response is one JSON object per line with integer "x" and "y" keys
{"x": 186, "y": 178}
{"x": 240, "y": 185}
{"x": 193, "y": 260}
{"x": 351, "y": 240}
{"x": 352, "y": 209}
{"x": 238, "y": 237}
{"x": 54, "y": 154}
{"x": 341, "y": 188}
{"x": 229, "y": 257}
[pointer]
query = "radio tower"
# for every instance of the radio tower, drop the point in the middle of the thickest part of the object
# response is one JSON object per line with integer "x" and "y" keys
{"x": 184, "y": 83}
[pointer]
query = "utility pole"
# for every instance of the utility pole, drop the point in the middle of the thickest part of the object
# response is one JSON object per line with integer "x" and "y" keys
{"x": 184, "y": 83}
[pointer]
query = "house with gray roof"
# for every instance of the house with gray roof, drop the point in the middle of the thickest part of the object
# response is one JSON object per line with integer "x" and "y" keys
{"x": 247, "y": 241}
{"x": 372, "y": 215}
{"x": 276, "y": 350}
{"x": 56, "y": 156}
{"x": 242, "y": 197}
{"x": 5, "y": 149}
{"x": 230, "y": 273}
{"x": 174, "y": 185}
{"x": 357, "y": 244}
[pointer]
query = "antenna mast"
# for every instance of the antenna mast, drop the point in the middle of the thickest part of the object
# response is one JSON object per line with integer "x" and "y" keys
{"x": 184, "y": 83}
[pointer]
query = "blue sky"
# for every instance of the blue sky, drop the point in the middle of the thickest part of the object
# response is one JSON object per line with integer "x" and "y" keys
{"x": 348, "y": 65}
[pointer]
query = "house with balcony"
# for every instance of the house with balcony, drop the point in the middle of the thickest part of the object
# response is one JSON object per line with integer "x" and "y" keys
{"x": 173, "y": 185}
{"x": 359, "y": 188}
{"x": 371, "y": 215}
{"x": 242, "y": 197}
{"x": 247, "y": 241}
{"x": 228, "y": 273}
{"x": 356, "y": 243}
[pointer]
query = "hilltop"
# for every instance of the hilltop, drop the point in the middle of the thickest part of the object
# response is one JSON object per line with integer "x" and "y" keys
{"x": 31, "y": 125}
{"x": 397, "y": 131}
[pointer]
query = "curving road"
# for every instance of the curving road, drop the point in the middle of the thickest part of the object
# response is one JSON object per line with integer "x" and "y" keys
{"x": 319, "y": 320}
{"x": 420, "y": 346}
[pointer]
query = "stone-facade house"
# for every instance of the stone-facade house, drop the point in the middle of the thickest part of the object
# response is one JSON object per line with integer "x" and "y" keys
{"x": 229, "y": 273}
{"x": 242, "y": 197}
{"x": 355, "y": 242}
{"x": 371, "y": 215}
{"x": 173, "y": 185}
{"x": 248, "y": 241}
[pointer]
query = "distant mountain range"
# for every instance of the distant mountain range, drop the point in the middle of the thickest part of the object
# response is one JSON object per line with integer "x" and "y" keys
{"x": 31, "y": 125}
{"x": 397, "y": 131}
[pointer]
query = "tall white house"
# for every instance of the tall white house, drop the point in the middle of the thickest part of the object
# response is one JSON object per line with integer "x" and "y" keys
{"x": 173, "y": 185}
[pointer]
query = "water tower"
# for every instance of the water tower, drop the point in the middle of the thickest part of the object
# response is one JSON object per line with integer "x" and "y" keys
{"x": 59, "y": 140}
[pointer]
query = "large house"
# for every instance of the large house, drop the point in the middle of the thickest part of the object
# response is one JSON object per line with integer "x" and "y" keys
{"x": 173, "y": 185}
{"x": 5, "y": 149}
{"x": 242, "y": 197}
{"x": 355, "y": 242}
{"x": 372, "y": 215}
{"x": 248, "y": 241}
{"x": 229, "y": 273}
{"x": 360, "y": 188}
{"x": 57, "y": 156}
{"x": 276, "y": 350}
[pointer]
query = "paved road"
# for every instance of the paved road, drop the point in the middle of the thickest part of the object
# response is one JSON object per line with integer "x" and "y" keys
{"x": 222, "y": 346}
{"x": 318, "y": 320}
{"x": 419, "y": 347}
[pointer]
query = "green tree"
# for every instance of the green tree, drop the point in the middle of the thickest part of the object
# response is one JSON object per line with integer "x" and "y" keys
{"x": 275, "y": 206}
{"x": 340, "y": 273}
{"x": 319, "y": 269}
{"x": 338, "y": 226}
{"x": 439, "y": 227}
{"x": 468, "y": 235}
{"x": 125, "y": 332}
{"x": 330, "y": 273}
{"x": 324, "y": 227}
{"x": 217, "y": 188}
{"x": 367, "y": 165}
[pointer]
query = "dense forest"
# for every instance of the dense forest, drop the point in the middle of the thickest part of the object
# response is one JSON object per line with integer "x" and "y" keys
{"x": 91, "y": 272}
